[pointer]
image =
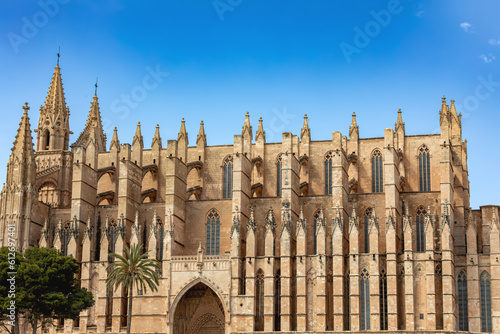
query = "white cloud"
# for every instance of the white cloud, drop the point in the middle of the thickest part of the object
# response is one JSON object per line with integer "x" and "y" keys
{"x": 494, "y": 41}
{"x": 465, "y": 26}
{"x": 420, "y": 13}
{"x": 487, "y": 58}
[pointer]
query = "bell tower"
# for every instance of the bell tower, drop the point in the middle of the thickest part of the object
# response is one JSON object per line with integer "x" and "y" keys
{"x": 53, "y": 159}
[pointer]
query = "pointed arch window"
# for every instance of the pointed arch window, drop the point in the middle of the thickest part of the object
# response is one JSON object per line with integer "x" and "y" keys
{"x": 227, "y": 187}
{"x": 259, "y": 303}
{"x": 365, "y": 300}
{"x": 112, "y": 237}
{"x": 463, "y": 320}
{"x": 366, "y": 226}
{"x": 65, "y": 237}
{"x": 46, "y": 140}
{"x": 377, "y": 172}
{"x": 160, "y": 235}
{"x": 278, "y": 175}
{"x": 485, "y": 303}
{"x": 97, "y": 251}
{"x": 328, "y": 173}
{"x": 420, "y": 229}
{"x": 277, "y": 301}
{"x": 315, "y": 243}
{"x": 213, "y": 232}
{"x": 383, "y": 300}
{"x": 424, "y": 167}
{"x": 348, "y": 301}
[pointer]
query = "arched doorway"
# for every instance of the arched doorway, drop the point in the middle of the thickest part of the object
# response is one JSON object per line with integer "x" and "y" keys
{"x": 200, "y": 311}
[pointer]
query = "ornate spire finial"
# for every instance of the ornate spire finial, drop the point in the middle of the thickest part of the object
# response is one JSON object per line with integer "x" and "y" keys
{"x": 182, "y": 132}
{"x": 114, "y": 141}
{"x": 138, "y": 136}
{"x": 247, "y": 128}
{"x": 201, "y": 135}
{"x": 58, "y": 56}
{"x": 96, "y": 86}
{"x": 354, "y": 126}
{"x": 305, "y": 132}
{"x": 260, "y": 131}
{"x": 399, "y": 123}
{"x": 156, "y": 137}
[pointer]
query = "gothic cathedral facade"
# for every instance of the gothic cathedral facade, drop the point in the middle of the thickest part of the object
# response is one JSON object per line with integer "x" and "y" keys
{"x": 345, "y": 234}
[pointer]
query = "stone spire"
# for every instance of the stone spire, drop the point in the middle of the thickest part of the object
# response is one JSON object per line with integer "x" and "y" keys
{"x": 19, "y": 192}
{"x": 182, "y": 142}
{"x": 156, "y": 137}
{"x": 444, "y": 106}
{"x": 261, "y": 134}
{"x": 399, "y": 123}
{"x": 354, "y": 126}
{"x": 23, "y": 144}
{"x": 247, "y": 128}
{"x": 201, "y": 135}
{"x": 453, "y": 109}
{"x": 182, "y": 132}
{"x": 93, "y": 130}
{"x": 138, "y": 137}
{"x": 305, "y": 131}
{"x": 114, "y": 141}
{"x": 54, "y": 117}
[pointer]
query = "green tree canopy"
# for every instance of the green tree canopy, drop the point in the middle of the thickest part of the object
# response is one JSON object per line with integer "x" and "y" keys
{"x": 46, "y": 286}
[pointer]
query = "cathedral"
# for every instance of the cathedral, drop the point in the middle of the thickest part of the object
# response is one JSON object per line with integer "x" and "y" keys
{"x": 345, "y": 234}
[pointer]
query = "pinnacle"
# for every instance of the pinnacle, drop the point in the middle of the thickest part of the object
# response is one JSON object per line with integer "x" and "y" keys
{"x": 93, "y": 127}
{"x": 201, "y": 135}
{"x": 260, "y": 130}
{"x": 55, "y": 97}
{"x": 24, "y": 140}
{"x": 305, "y": 131}
{"x": 399, "y": 123}
{"x": 114, "y": 141}
{"x": 247, "y": 128}
{"x": 138, "y": 135}
{"x": 156, "y": 137}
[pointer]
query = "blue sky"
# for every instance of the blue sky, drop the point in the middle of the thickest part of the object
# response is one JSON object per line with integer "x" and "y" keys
{"x": 215, "y": 60}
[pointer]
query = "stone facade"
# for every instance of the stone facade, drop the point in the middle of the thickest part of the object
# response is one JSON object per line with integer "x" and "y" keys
{"x": 347, "y": 234}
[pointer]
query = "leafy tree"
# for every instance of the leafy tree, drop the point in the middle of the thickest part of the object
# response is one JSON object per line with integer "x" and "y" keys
{"x": 46, "y": 287}
{"x": 133, "y": 269}
{"x": 6, "y": 316}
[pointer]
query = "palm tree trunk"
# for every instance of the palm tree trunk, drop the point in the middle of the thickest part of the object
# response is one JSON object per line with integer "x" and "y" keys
{"x": 129, "y": 313}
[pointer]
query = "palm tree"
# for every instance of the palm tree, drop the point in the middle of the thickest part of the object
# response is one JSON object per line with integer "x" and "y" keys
{"x": 133, "y": 269}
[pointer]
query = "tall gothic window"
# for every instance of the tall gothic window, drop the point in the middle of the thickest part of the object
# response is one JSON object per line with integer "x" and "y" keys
{"x": 315, "y": 219}
{"x": 424, "y": 162}
{"x": 383, "y": 300}
{"x": 420, "y": 229}
{"x": 213, "y": 232}
{"x": 365, "y": 300}
{"x": 227, "y": 188}
{"x": 348, "y": 301}
{"x": 377, "y": 172}
{"x": 463, "y": 321}
{"x": 97, "y": 250}
{"x": 485, "y": 302}
{"x": 328, "y": 173}
{"x": 366, "y": 225}
{"x": 259, "y": 303}
{"x": 65, "y": 237}
{"x": 277, "y": 302}
{"x": 160, "y": 235}
{"x": 112, "y": 237}
{"x": 278, "y": 175}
